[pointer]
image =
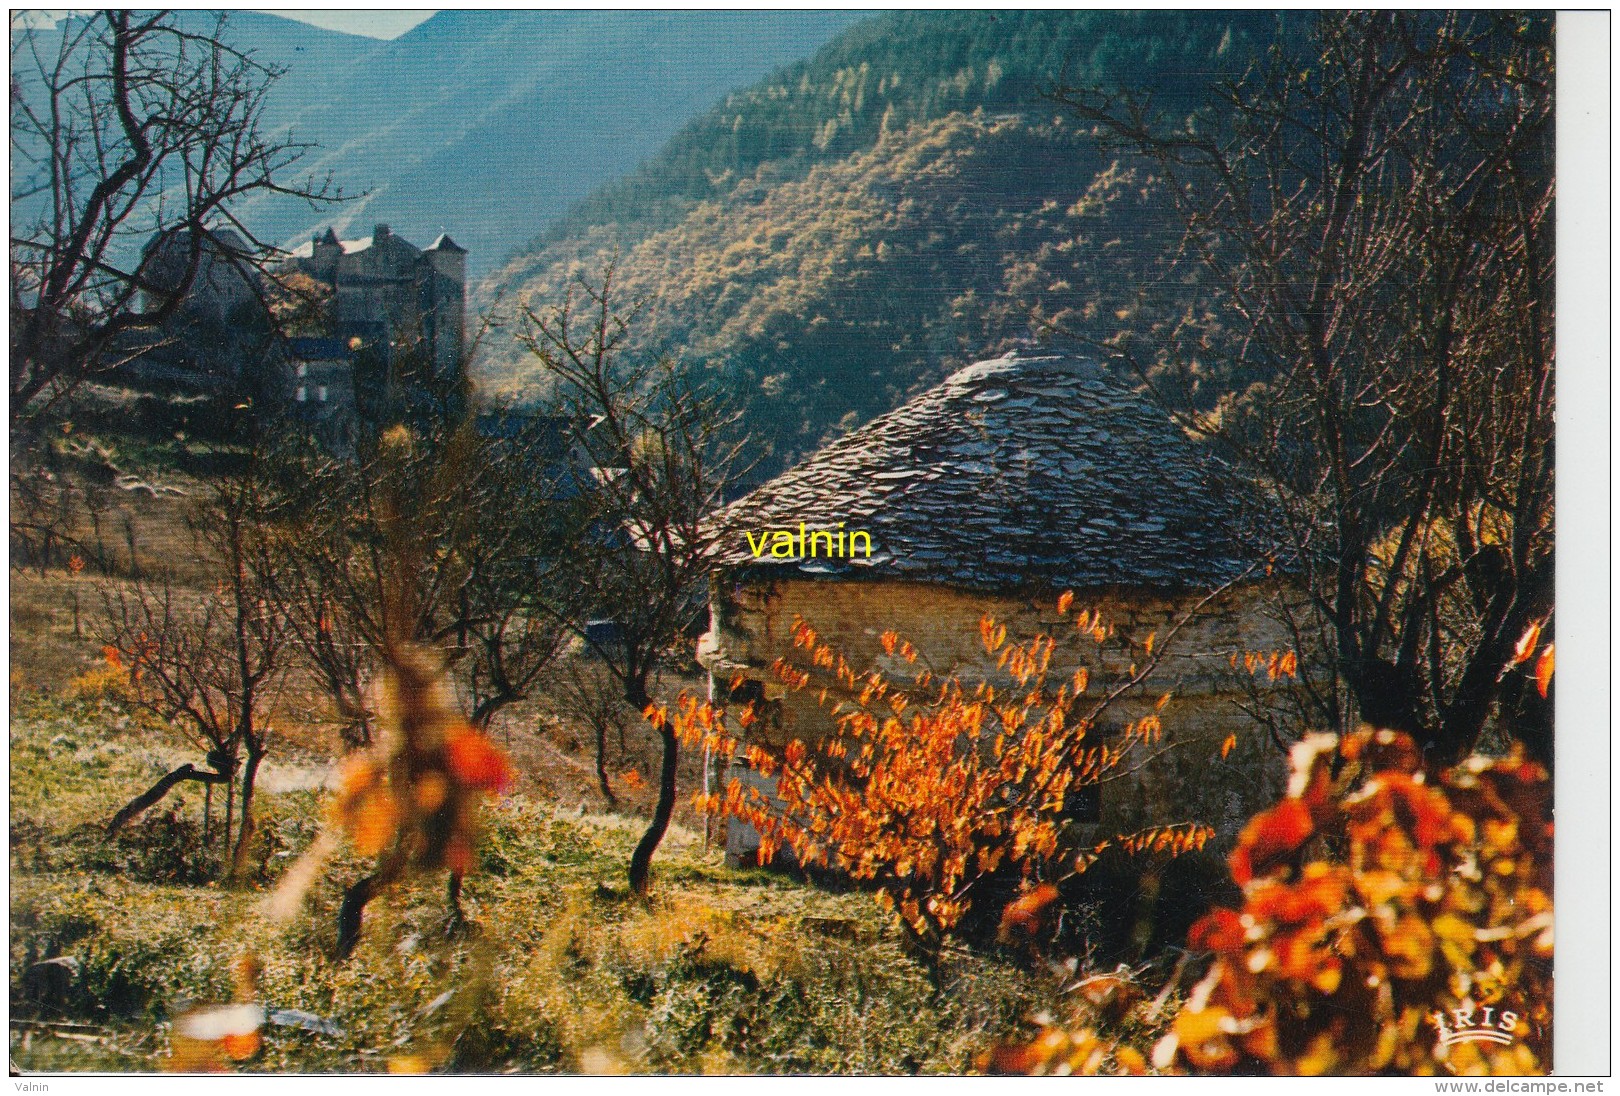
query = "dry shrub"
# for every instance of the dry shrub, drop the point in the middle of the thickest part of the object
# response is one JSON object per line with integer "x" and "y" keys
{"x": 107, "y": 680}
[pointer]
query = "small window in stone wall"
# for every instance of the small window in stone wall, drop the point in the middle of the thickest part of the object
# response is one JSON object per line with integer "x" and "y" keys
{"x": 302, "y": 394}
{"x": 320, "y": 394}
{"x": 768, "y": 713}
{"x": 1084, "y": 804}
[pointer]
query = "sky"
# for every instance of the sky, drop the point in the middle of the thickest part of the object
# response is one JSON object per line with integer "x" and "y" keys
{"x": 390, "y": 23}
{"x": 372, "y": 23}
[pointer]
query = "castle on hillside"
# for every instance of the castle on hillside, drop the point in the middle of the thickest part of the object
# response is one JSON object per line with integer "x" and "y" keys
{"x": 390, "y": 309}
{"x": 389, "y": 293}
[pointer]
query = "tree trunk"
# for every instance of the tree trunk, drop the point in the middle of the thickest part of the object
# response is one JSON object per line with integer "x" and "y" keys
{"x": 244, "y": 831}
{"x": 157, "y": 791}
{"x": 484, "y": 715}
{"x": 353, "y": 907}
{"x": 601, "y": 764}
{"x": 453, "y": 901}
{"x": 641, "y": 859}
{"x": 349, "y": 914}
{"x": 230, "y": 812}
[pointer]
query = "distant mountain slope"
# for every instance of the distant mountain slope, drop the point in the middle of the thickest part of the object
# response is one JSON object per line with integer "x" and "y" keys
{"x": 908, "y": 66}
{"x": 487, "y": 124}
{"x": 308, "y": 53}
{"x": 309, "y": 59}
{"x": 856, "y": 226}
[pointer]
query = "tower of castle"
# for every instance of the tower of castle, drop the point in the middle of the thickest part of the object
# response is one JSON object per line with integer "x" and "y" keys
{"x": 448, "y": 301}
{"x": 387, "y": 291}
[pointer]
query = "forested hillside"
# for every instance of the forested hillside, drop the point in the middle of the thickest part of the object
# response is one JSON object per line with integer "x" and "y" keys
{"x": 861, "y": 223}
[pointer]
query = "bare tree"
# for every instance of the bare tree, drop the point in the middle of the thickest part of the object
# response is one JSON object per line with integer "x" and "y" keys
{"x": 491, "y": 537}
{"x": 211, "y": 663}
{"x": 337, "y": 525}
{"x": 594, "y": 697}
{"x": 522, "y": 565}
{"x": 128, "y": 130}
{"x": 662, "y": 448}
{"x": 437, "y": 537}
{"x": 1370, "y": 217}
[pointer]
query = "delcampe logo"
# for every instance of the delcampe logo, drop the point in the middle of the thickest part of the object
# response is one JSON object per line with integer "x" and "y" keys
{"x": 1471, "y": 1024}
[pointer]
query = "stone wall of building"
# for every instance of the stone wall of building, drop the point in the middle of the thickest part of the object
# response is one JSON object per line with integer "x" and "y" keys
{"x": 390, "y": 293}
{"x": 1185, "y": 778}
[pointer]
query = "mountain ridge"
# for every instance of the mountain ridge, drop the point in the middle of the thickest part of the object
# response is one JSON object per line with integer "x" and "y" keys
{"x": 854, "y": 227}
{"x": 486, "y": 124}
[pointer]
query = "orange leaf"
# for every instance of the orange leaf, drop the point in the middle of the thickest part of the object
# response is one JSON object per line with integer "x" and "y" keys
{"x": 409, "y": 1064}
{"x": 239, "y": 1048}
{"x": 1065, "y": 600}
{"x": 1544, "y": 670}
{"x": 476, "y": 762}
{"x": 431, "y": 791}
{"x": 1026, "y": 917}
{"x": 1131, "y": 1061}
{"x": 1218, "y": 930}
{"x": 375, "y": 821}
{"x": 1269, "y": 836}
{"x": 1228, "y": 746}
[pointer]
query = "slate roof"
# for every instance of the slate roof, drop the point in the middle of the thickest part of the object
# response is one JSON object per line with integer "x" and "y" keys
{"x": 1015, "y": 472}
{"x": 354, "y": 247}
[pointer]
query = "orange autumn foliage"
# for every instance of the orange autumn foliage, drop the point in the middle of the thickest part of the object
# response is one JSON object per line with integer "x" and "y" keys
{"x": 927, "y": 787}
{"x": 414, "y": 799}
{"x": 416, "y": 795}
{"x": 1385, "y": 911}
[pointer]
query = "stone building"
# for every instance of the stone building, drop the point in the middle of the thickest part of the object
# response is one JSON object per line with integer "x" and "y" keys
{"x": 319, "y": 384}
{"x": 389, "y": 293}
{"x": 216, "y": 331}
{"x": 226, "y": 281}
{"x": 388, "y": 297}
{"x": 1013, "y": 481}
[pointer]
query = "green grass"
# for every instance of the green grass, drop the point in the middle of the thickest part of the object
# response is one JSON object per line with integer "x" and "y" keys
{"x": 723, "y": 971}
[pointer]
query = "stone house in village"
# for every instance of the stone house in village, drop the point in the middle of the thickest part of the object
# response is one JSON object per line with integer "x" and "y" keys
{"x": 1013, "y": 481}
{"x": 319, "y": 384}
{"x": 388, "y": 297}
{"x": 387, "y": 292}
{"x": 216, "y": 333}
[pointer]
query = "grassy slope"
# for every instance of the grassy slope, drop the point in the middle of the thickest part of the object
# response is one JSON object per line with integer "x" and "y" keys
{"x": 726, "y": 971}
